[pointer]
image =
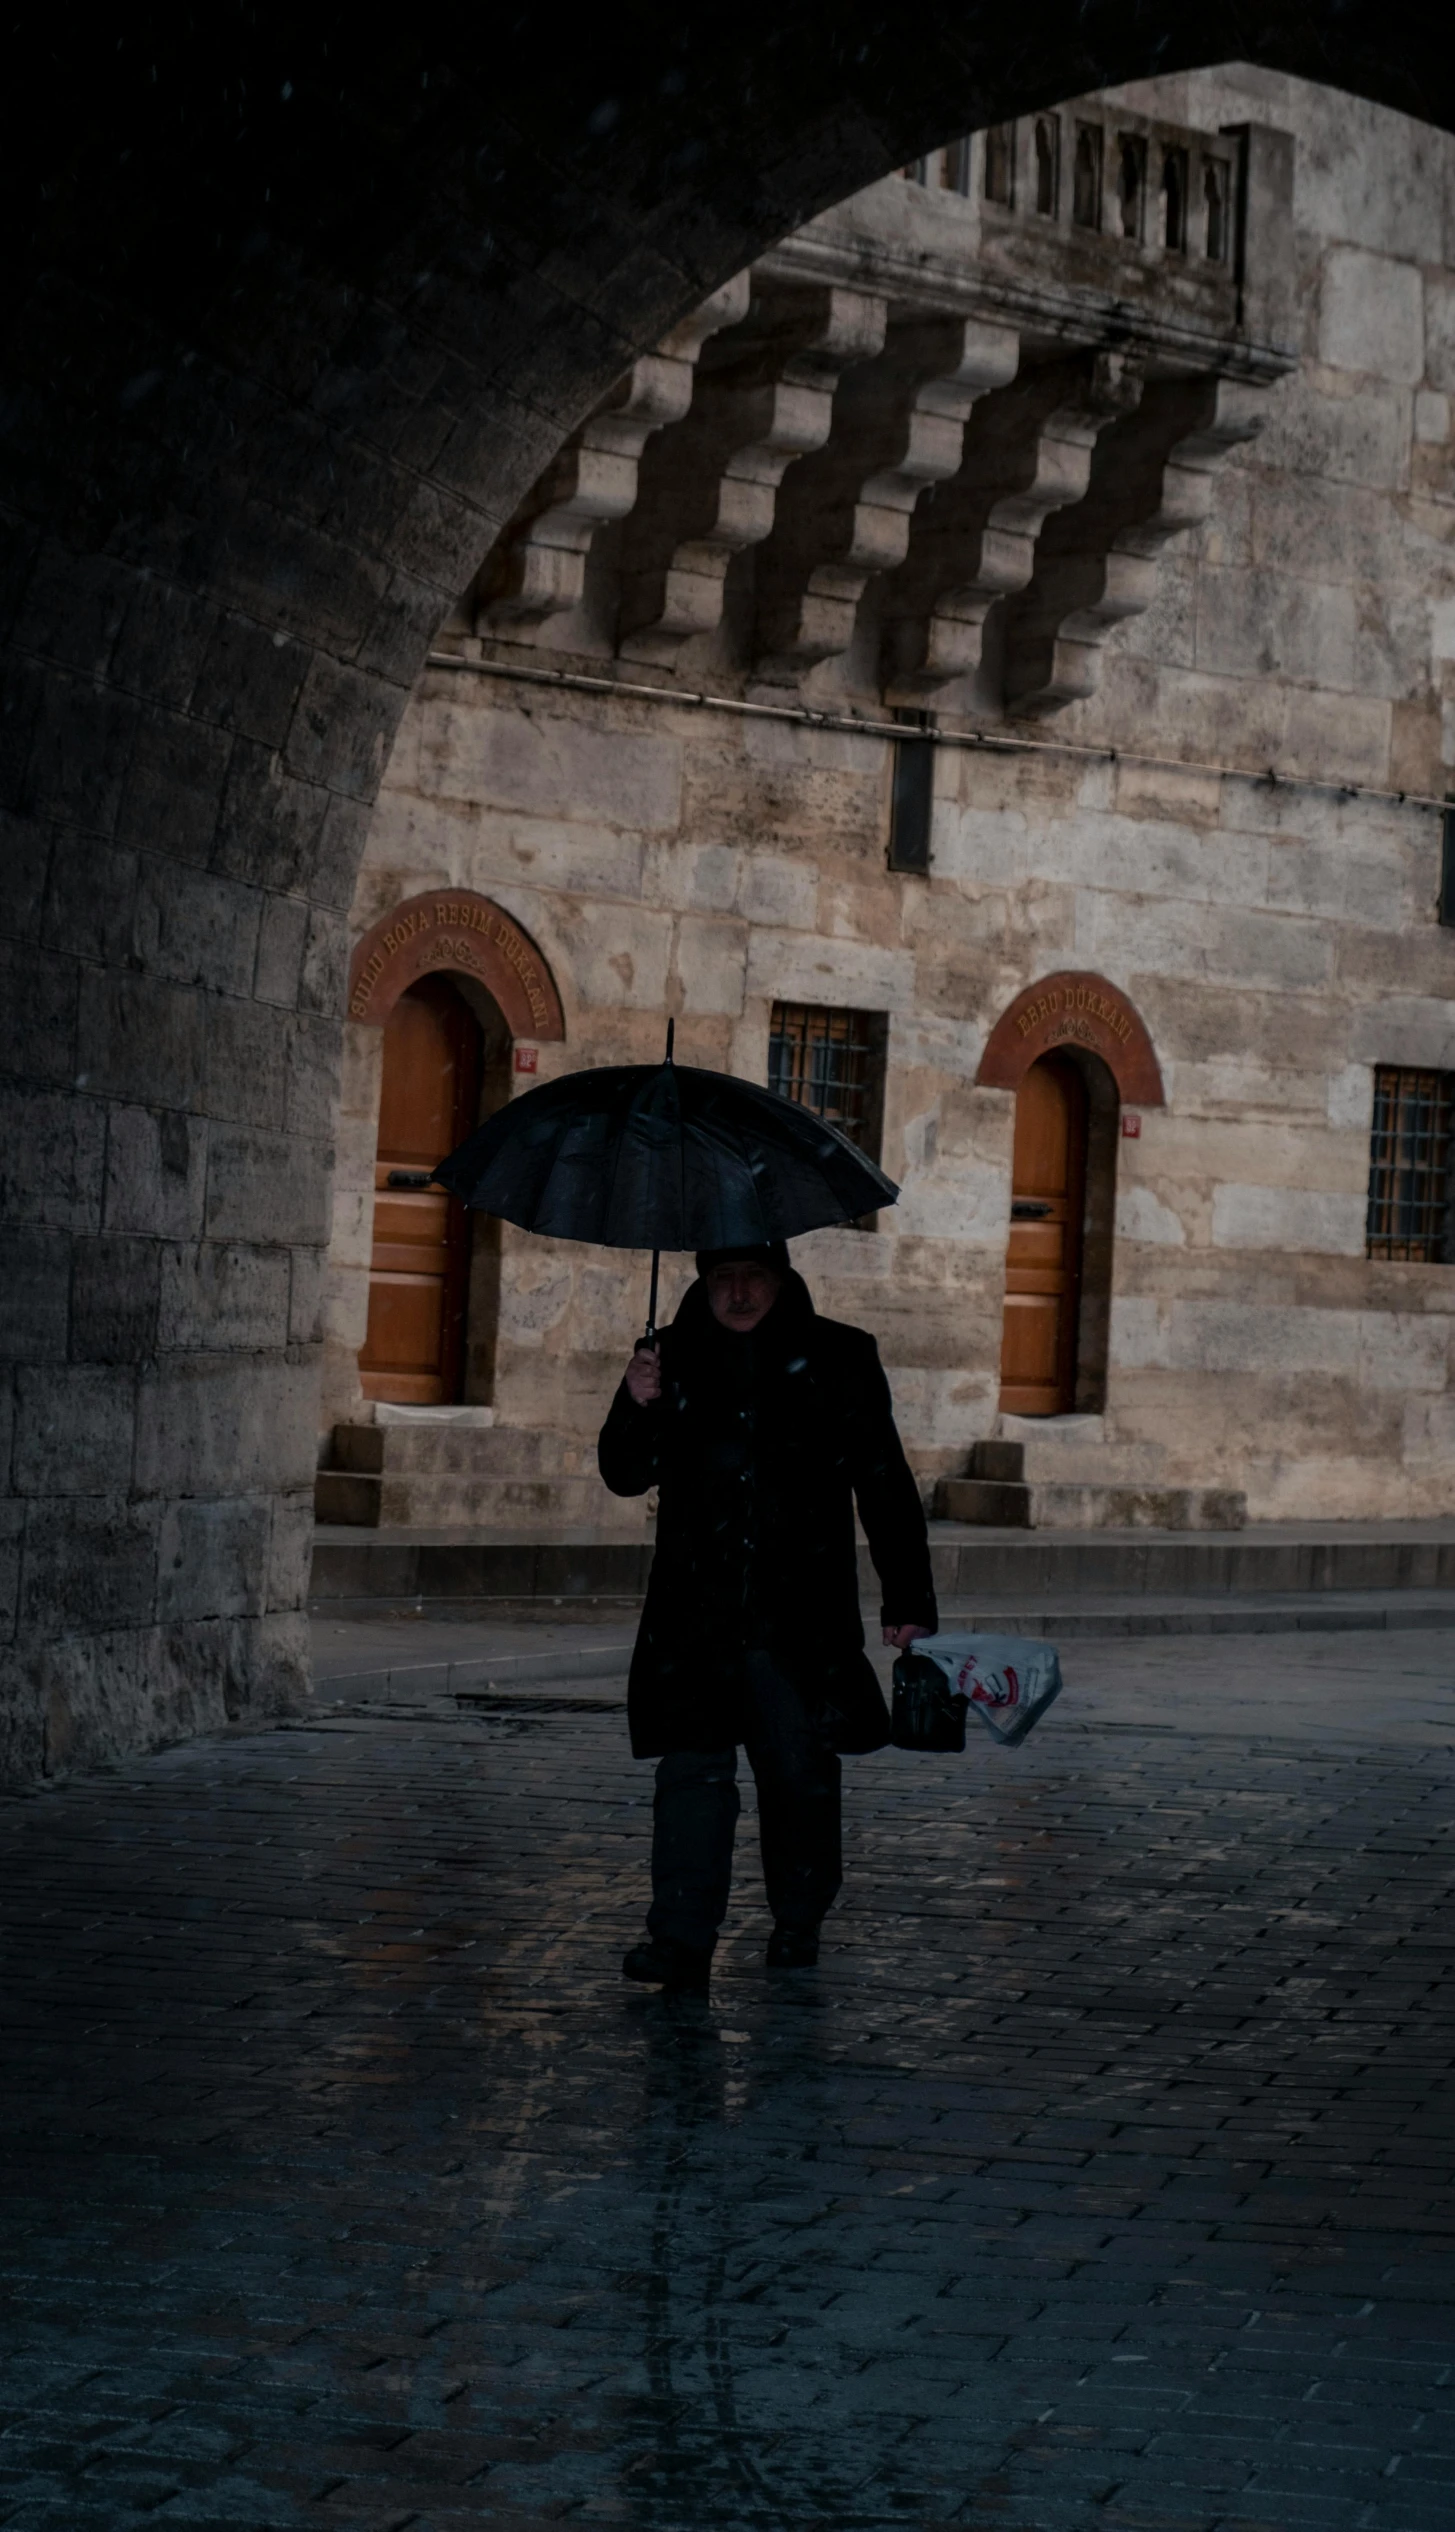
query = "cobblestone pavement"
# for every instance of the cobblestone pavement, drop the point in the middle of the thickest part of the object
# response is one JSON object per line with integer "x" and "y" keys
{"x": 1100, "y": 2178}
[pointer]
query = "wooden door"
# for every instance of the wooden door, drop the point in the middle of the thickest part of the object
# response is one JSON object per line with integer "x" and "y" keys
{"x": 1043, "y": 1259}
{"x": 418, "y": 1270}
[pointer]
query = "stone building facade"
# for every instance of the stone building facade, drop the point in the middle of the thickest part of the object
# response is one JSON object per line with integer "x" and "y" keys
{"x": 998, "y": 651}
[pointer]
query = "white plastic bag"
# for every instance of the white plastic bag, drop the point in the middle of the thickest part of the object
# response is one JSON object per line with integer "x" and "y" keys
{"x": 1009, "y": 1680}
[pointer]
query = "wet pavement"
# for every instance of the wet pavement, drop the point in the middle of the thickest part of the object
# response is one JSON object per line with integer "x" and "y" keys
{"x": 1099, "y": 2179}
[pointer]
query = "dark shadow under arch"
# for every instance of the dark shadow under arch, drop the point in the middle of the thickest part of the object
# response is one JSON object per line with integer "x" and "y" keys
{"x": 300, "y": 308}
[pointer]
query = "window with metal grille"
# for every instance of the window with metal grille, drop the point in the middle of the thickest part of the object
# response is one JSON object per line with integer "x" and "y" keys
{"x": 832, "y": 1062}
{"x": 1409, "y": 1164}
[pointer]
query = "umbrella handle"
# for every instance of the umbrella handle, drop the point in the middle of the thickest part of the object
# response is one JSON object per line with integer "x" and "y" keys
{"x": 651, "y": 1335}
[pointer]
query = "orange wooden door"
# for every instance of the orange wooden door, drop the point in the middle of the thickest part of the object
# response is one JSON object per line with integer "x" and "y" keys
{"x": 1043, "y": 1259}
{"x": 418, "y": 1270}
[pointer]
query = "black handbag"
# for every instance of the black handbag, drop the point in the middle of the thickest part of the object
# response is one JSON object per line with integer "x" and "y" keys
{"x": 928, "y": 1715}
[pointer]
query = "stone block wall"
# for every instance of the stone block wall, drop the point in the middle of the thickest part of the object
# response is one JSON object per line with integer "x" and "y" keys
{"x": 1279, "y": 938}
{"x": 271, "y": 390}
{"x": 1309, "y": 624}
{"x": 1253, "y": 1345}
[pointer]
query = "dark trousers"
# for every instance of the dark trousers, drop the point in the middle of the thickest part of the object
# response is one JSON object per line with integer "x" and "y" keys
{"x": 695, "y": 1812}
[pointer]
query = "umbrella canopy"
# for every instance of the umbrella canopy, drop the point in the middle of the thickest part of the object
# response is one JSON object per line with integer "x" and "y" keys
{"x": 657, "y": 1156}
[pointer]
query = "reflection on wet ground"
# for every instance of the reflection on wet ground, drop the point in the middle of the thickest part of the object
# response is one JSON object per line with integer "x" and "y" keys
{"x": 1099, "y": 2178}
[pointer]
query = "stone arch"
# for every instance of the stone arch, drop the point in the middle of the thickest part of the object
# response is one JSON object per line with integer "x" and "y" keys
{"x": 278, "y": 372}
{"x": 1074, "y": 1008}
{"x": 455, "y": 928}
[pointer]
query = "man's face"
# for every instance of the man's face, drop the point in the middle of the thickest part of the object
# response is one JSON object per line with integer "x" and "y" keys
{"x": 741, "y": 1294}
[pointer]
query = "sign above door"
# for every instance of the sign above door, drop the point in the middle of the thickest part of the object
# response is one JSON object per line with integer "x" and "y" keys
{"x": 453, "y": 928}
{"x": 1072, "y": 1009}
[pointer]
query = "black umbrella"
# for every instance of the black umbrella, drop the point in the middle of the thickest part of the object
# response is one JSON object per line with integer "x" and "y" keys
{"x": 656, "y": 1156}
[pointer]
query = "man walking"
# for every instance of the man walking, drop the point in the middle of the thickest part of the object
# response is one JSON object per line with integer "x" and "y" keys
{"x": 761, "y": 1424}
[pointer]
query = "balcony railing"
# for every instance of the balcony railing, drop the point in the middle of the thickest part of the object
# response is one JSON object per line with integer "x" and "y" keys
{"x": 1156, "y": 191}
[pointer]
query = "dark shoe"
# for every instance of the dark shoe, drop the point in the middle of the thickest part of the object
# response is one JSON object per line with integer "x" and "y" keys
{"x": 677, "y": 1967}
{"x": 790, "y": 1950}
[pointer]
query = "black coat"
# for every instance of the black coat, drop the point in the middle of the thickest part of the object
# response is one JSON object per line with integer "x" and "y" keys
{"x": 760, "y": 1445}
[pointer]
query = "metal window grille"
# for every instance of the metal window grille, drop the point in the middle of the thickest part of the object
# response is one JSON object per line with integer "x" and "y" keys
{"x": 1409, "y": 1164}
{"x": 832, "y": 1062}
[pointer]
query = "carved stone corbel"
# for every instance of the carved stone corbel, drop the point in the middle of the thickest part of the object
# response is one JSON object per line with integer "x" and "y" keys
{"x": 844, "y": 513}
{"x": 1028, "y": 452}
{"x": 1152, "y": 479}
{"x": 709, "y": 486}
{"x": 539, "y": 567}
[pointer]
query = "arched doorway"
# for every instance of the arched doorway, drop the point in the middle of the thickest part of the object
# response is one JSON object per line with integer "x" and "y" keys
{"x": 413, "y": 1352}
{"x": 1073, "y": 1048}
{"x": 1044, "y": 1254}
{"x": 453, "y": 983}
{"x": 231, "y": 708}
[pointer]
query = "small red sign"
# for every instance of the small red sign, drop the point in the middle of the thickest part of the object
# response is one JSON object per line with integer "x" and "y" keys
{"x": 1131, "y": 1127}
{"x": 526, "y": 1058}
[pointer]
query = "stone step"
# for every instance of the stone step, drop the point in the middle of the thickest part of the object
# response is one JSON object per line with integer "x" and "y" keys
{"x": 444, "y": 1450}
{"x": 346, "y": 1496}
{"x": 457, "y": 1571}
{"x": 459, "y": 1471}
{"x": 520, "y": 1502}
{"x": 472, "y": 1672}
{"x": 1071, "y": 1450}
{"x": 984, "y": 1500}
{"x": 1235, "y": 1613}
{"x": 1064, "y": 1477}
{"x": 589, "y": 1568}
{"x": 343, "y": 1498}
{"x": 1002, "y": 1463}
{"x": 359, "y": 1448}
{"x": 1056, "y": 1506}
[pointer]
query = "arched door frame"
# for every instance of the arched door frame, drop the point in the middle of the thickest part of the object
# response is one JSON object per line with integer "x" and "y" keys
{"x": 460, "y": 935}
{"x": 212, "y": 656}
{"x": 420, "y": 1249}
{"x": 1074, "y": 1007}
{"x": 456, "y": 928}
{"x": 1081, "y": 1014}
{"x": 1043, "y": 1255}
